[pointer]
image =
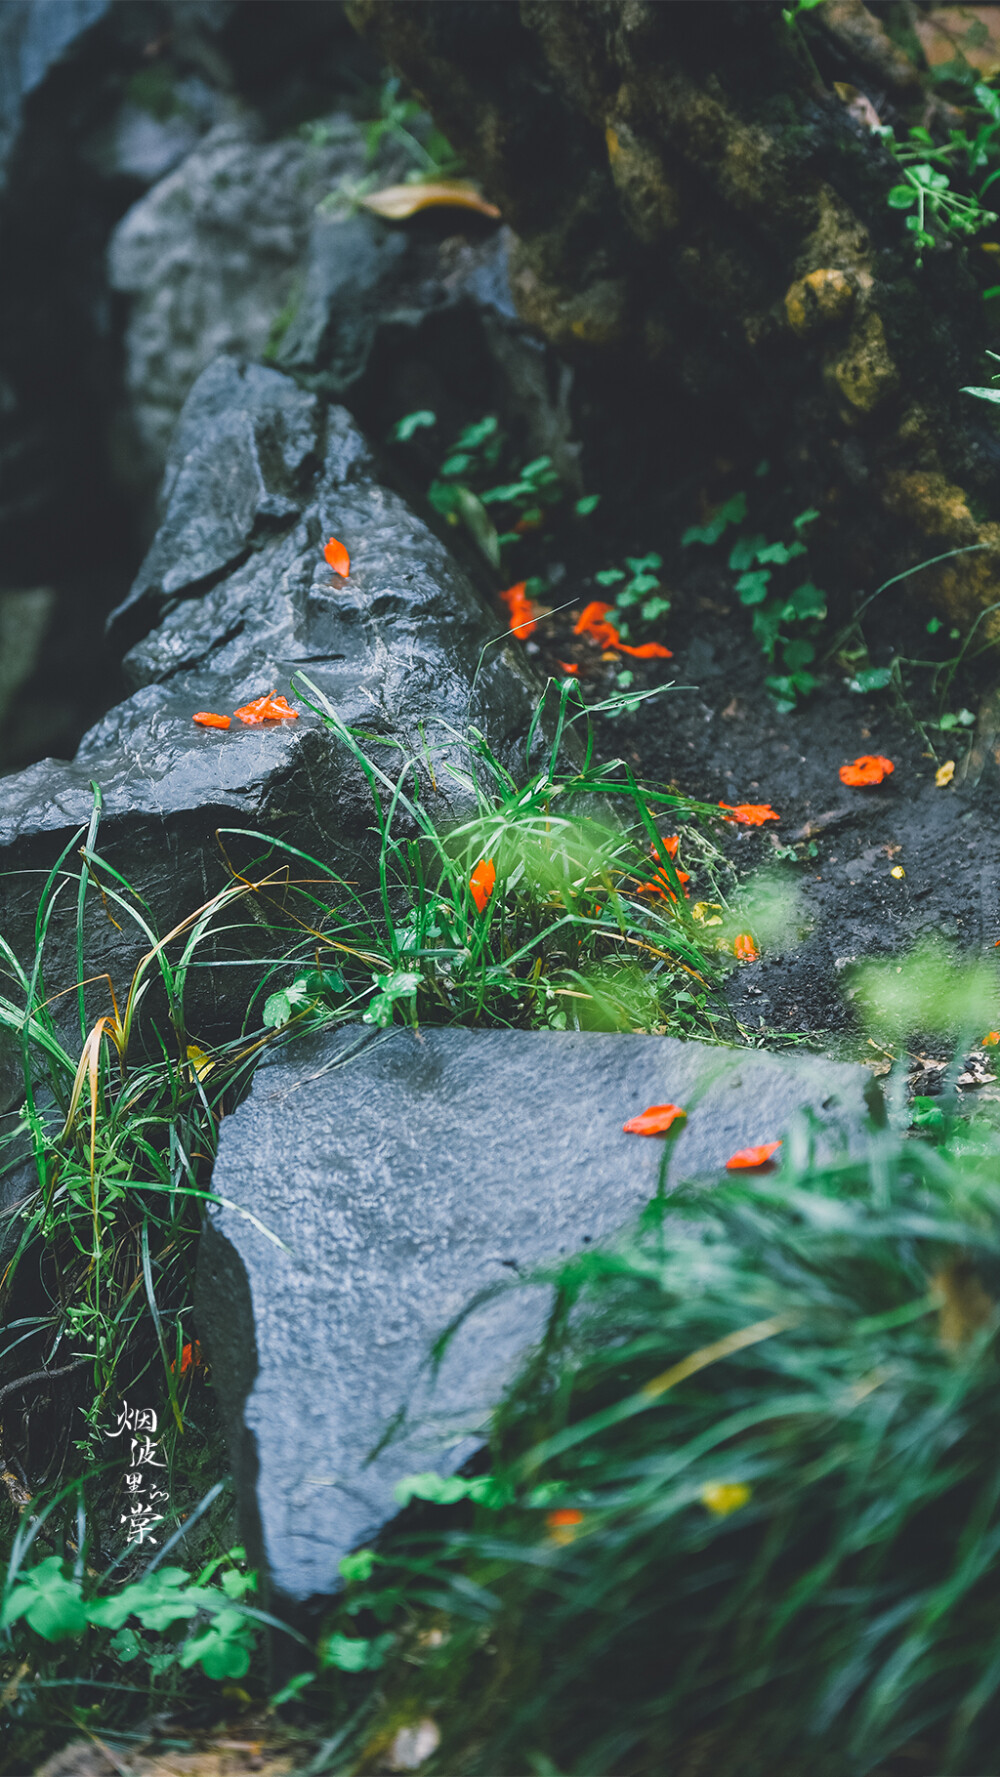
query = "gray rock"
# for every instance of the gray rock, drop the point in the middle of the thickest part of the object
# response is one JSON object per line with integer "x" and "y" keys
{"x": 210, "y": 257}
{"x": 261, "y": 474}
{"x": 33, "y": 38}
{"x": 373, "y": 1183}
{"x": 142, "y": 147}
{"x": 387, "y": 309}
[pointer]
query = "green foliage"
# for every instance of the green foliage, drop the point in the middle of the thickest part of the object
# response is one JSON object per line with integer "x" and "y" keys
{"x": 937, "y": 210}
{"x": 461, "y": 492}
{"x": 121, "y": 1134}
{"x": 930, "y": 989}
{"x": 412, "y": 423}
{"x": 465, "y": 489}
{"x": 786, "y": 617}
{"x": 55, "y": 1604}
{"x": 790, "y": 13}
{"x": 353, "y": 1653}
{"x": 404, "y": 122}
{"x": 313, "y": 988}
{"x": 767, "y": 1427}
{"x": 985, "y": 394}
{"x": 636, "y": 585}
{"x": 556, "y": 943}
{"x": 399, "y": 123}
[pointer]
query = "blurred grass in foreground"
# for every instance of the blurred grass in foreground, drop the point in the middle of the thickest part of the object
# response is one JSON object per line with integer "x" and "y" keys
{"x": 744, "y": 1504}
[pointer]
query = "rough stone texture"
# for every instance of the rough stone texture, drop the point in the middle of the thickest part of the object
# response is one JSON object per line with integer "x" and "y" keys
{"x": 233, "y": 252}
{"x": 391, "y": 318}
{"x": 32, "y": 39}
{"x": 402, "y": 1173}
{"x": 211, "y": 258}
{"x": 260, "y": 474}
{"x": 673, "y": 175}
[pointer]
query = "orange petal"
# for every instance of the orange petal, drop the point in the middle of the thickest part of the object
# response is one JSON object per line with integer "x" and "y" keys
{"x": 745, "y": 948}
{"x": 269, "y": 708}
{"x": 278, "y": 709}
{"x": 482, "y": 883}
{"x": 570, "y": 667}
{"x": 592, "y": 617}
{"x": 748, "y": 1158}
{"x": 654, "y": 1121}
{"x": 338, "y": 558}
{"x": 870, "y": 768}
{"x": 750, "y": 814}
{"x": 646, "y": 651}
{"x": 523, "y": 615}
{"x": 563, "y": 1525}
{"x": 208, "y": 719}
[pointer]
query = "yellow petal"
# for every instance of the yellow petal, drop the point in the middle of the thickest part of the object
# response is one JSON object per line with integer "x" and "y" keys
{"x": 944, "y": 773}
{"x": 396, "y": 202}
{"x": 723, "y": 1497}
{"x": 898, "y": 872}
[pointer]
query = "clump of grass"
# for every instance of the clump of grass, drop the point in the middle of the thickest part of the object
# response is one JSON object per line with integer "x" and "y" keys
{"x": 741, "y": 1507}
{"x": 118, "y": 1129}
{"x": 586, "y": 925}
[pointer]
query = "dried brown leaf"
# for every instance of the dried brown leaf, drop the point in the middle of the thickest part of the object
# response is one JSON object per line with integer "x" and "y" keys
{"x": 397, "y": 202}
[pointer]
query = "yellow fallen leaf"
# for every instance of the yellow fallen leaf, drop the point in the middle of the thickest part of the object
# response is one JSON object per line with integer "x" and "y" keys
{"x": 898, "y": 872}
{"x": 944, "y": 773}
{"x": 201, "y": 1064}
{"x": 396, "y": 202}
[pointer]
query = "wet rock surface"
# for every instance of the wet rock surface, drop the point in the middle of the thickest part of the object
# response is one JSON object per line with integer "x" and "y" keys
{"x": 374, "y": 1183}
{"x": 261, "y": 473}
{"x": 211, "y": 258}
{"x": 99, "y": 102}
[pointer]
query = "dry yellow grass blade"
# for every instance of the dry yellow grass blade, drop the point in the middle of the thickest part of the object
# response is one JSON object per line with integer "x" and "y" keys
{"x": 397, "y": 202}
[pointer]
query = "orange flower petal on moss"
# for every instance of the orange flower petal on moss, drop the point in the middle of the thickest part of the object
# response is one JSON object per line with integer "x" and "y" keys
{"x": 208, "y": 719}
{"x": 749, "y": 814}
{"x": 482, "y": 883}
{"x": 991, "y": 1039}
{"x": 745, "y": 949}
{"x": 654, "y": 1121}
{"x": 669, "y": 842}
{"x": 337, "y": 557}
{"x": 748, "y": 1158}
{"x": 569, "y": 666}
{"x": 870, "y": 768}
{"x": 269, "y": 708}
